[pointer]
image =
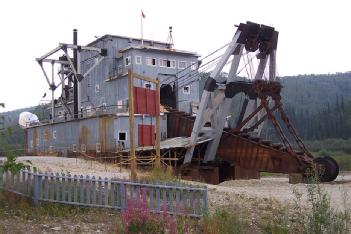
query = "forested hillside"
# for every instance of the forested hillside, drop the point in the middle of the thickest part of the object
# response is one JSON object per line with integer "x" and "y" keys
{"x": 319, "y": 106}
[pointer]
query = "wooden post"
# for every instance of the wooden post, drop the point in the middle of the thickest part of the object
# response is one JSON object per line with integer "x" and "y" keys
{"x": 131, "y": 125}
{"x": 158, "y": 120}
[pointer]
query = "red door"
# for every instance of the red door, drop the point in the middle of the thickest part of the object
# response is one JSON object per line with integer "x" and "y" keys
{"x": 146, "y": 135}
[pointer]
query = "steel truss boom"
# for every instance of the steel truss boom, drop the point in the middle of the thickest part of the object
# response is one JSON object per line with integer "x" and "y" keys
{"x": 214, "y": 106}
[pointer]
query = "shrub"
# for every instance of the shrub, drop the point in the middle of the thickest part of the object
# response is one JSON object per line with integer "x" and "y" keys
{"x": 224, "y": 221}
{"x": 137, "y": 218}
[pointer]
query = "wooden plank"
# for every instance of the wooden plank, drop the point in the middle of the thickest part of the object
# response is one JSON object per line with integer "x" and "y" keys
{"x": 191, "y": 208}
{"x": 18, "y": 182}
{"x": 137, "y": 194}
{"x": 57, "y": 198}
{"x": 177, "y": 200}
{"x": 52, "y": 187}
{"x": 131, "y": 125}
{"x": 29, "y": 187}
{"x": 112, "y": 194}
{"x": 69, "y": 188}
{"x": 119, "y": 194}
{"x": 145, "y": 78}
{"x": 198, "y": 205}
{"x": 106, "y": 191}
{"x": 171, "y": 197}
{"x": 143, "y": 193}
{"x": 164, "y": 198}
{"x": 157, "y": 197}
{"x": 93, "y": 189}
{"x": 63, "y": 188}
{"x": 23, "y": 182}
{"x": 81, "y": 189}
{"x": 87, "y": 190}
{"x": 185, "y": 199}
{"x": 75, "y": 187}
{"x": 158, "y": 124}
{"x": 99, "y": 191}
{"x": 151, "y": 196}
{"x": 124, "y": 194}
{"x": 46, "y": 186}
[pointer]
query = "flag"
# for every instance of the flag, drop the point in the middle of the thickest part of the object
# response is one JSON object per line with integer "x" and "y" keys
{"x": 142, "y": 14}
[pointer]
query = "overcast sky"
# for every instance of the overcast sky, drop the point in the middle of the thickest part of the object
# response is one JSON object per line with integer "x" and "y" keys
{"x": 314, "y": 36}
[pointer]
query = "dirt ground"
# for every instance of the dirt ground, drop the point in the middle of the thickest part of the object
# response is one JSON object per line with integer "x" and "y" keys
{"x": 277, "y": 188}
{"x": 252, "y": 195}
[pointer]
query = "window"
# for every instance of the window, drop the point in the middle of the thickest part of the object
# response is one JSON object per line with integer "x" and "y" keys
{"x": 97, "y": 88}
{"x": 167, "y": 63}
{"x": 182, "y": 64}
{"x": 74, "y": 148}
{"x": 171, "y": 63}
{"x": 186, "y": 89}
{"x": 163, "y": 63}
{"x": 122, "y": 136}
{"x": 127, "y": 61}
{"x": 151, "y": 61}
{"x": 98, "y": 147}
{"x": 147, "y": 85}
{"x": 119, "y": 69}
{"x": 83, "y": 148}
{"x": 193, "y": 66}
{"x": 137, "y": 59}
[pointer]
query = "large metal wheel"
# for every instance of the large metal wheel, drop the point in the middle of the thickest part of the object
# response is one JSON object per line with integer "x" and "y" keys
{"x": 327, "y": 168}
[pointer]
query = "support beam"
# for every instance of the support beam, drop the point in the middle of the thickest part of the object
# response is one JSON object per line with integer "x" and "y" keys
{"x": 52, "y": 92}
{"x": 158, "y": 123}
{"x": 74, "y": 69}
{"x": 79, "y": 85}
{"x": 209, "y": 89}
{"x": 132, "y": 157}
{"x": 223, "y": 111}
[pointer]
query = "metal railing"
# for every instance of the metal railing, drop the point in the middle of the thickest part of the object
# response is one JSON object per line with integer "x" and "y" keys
{"x": 173, "y": 198}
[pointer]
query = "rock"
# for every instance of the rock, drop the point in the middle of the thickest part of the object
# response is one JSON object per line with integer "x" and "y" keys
{"x": 56, "y": 228}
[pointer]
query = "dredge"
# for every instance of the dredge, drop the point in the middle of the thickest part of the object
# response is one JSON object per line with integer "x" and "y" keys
{"x": 189, "y": 134}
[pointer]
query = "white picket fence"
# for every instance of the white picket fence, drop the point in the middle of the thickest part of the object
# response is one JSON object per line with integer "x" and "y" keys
{"x": 173, "y": 198}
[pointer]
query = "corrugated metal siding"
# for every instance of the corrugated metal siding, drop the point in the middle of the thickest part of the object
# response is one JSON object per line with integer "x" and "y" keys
{"x": 60, "y": 137}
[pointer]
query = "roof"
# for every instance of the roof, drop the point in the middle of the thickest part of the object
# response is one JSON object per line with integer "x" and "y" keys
{"x": 153, "y": 48}
{"x": 124, "y": 37}
{"x": 171, "y": 143}
{"x": 107, "y": 36}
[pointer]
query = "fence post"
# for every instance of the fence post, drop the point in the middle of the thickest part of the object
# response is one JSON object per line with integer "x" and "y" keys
{"x": 88, "y": 186}
{"x": 1, "y": 178}
{"x": 177, "y": 198}
{"x": 157, "y": 196}
{"x": 36, "y": 190}
{"x": 112, "y": 193}
{"x": 93, "y": 190}
{"x": 99, "y": 191}
{"x": 23, "y": 183}
{"x": 69, "y": 192}
{"x": 105, "y": 192}
{"x": 151, "y": 194}
{"x": 81, "y": 188}
{"x": 205, "y": 201}
{"x": 123, "y": 194}
{"x": 18, "y": 181}
{"x": 63, "y": 187}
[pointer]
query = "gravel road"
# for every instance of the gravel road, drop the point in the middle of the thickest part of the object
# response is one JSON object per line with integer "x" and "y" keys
{"x": 276, "y": 188}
